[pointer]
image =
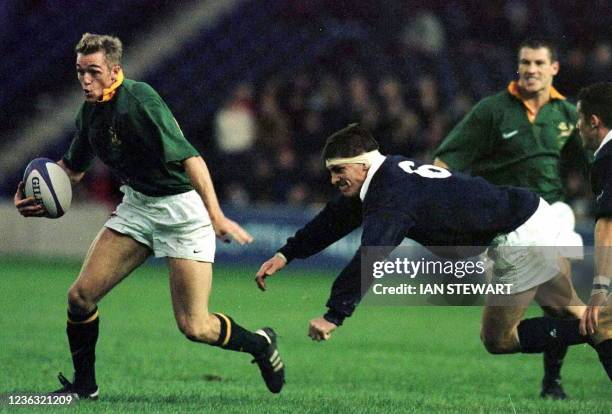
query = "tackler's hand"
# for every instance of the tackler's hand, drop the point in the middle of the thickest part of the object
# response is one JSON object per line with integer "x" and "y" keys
{"x": 319, "y": 329}
{"x": 589, "y": 319}
{"x": 268, "y": 268}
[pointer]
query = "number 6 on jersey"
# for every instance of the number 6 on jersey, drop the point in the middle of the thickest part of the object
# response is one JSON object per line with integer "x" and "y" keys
{"x": 425, "y": 170}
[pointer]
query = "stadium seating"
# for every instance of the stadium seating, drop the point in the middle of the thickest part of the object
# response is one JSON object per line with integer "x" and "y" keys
{"x": 262, "y": 40}
{"x": 41, "y": 40}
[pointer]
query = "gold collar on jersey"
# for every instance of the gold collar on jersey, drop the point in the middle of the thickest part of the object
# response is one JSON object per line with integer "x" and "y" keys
{"x": 531, "y": 111}
{"x": 109, "y": 93}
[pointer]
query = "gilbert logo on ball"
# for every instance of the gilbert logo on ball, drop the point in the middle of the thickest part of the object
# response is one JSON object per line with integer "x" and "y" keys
{"x": 50, "y": 186}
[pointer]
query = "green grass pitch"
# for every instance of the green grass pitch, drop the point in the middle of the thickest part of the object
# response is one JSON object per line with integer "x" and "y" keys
{"x": 384, "y": 360}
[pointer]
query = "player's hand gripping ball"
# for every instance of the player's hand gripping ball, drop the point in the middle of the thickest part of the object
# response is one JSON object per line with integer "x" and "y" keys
{"x": 50, "y": 186}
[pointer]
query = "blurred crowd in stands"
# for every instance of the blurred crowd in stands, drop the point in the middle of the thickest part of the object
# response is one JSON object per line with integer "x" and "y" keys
{"x": 408, "y": 70}
{"x": 268, "y": 144}
{"x": 268, "y": 137}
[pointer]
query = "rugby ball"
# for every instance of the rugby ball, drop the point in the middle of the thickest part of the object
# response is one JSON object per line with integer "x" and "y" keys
{"x": 49, "y": 184}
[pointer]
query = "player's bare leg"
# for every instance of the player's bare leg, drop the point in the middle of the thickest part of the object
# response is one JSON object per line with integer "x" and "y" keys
{"x": 558, "y": 299}
{"x": 111, "y": 257}
{"x": 500, "y": 319}
{"x": 602, "y": 338}
{"x": 504, "y": 332}
{"x": 190, "y": 286}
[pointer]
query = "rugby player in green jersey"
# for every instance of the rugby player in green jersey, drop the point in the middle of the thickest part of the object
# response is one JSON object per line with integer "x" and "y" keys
{"x": 517, "y": 137}
{"x": 169, "y": 209}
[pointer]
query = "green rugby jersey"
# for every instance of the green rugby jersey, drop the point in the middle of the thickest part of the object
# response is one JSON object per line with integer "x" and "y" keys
{"x": 499, "y": 142}
{"x": 137, "y": 137}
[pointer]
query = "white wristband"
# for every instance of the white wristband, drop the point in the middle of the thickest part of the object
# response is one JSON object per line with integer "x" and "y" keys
{"x": 600, "y": 285}
{"x": 602, "y": 280}
{"x": 280, "y": 255}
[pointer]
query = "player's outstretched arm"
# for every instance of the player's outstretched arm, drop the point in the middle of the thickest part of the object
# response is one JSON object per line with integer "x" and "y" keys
{"x": 268, "y": 268}
{"x": 198, "y": 174}
{"x": 603, "y": 265}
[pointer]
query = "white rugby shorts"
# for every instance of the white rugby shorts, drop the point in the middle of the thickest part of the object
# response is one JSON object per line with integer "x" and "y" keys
{"x": 529, "y": 256}
{"x": 176, "y": 226}
{"x": 570, "y": 243}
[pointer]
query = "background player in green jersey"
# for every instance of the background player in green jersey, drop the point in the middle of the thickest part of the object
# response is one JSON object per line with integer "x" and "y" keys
{"x": 517, "y": 137}
{"x": 595, "y": 126}
{"x": 169, "y": 209}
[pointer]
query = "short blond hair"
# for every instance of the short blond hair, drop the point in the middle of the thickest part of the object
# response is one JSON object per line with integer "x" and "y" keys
{"x": 110, "y": 45}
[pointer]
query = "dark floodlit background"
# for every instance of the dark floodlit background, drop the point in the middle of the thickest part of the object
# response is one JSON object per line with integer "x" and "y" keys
{"x": 257, "y": 86}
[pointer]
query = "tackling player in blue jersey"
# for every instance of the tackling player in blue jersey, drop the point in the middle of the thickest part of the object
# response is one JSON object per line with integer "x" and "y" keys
{"x": 595, "y": 126}
{"x": 393, "y": 198}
